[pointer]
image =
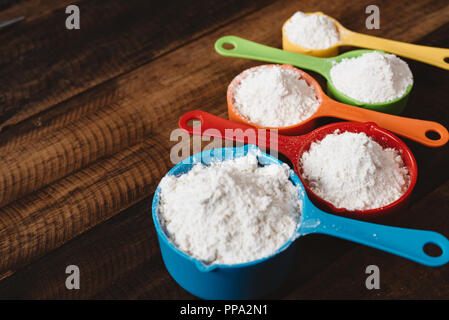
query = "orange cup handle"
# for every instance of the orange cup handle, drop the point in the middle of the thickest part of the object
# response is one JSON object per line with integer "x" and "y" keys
{"x": 413, "y": 129}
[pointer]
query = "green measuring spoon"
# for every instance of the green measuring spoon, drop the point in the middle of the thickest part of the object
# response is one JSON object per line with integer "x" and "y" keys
{"x": 232, "y": 46}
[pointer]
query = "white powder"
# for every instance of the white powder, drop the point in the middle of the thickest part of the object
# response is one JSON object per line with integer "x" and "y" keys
{"x": 373, "y": 77}
{"x": 271, "y": 96}
{"x": 311, "y": 31}
{"x": 352, "y": 171}
{"x": 230, "y": 212}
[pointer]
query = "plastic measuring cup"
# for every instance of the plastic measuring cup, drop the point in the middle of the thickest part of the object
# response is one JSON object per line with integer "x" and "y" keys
{"x": 251, "y": 50}
{"x": 413, "y": 129}
{"x": 257, "y": 278}
{"x": 294, "y": 146}
{"x": 431, "y": 55}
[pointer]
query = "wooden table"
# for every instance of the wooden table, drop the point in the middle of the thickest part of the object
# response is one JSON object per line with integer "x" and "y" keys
{"x": 86, "y": 117}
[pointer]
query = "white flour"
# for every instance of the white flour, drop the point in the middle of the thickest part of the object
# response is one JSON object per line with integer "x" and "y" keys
{"x": 373, "y": 77}
{"x": 352, "y": 171}
{"x": 311, "y": 31}
{"x": 274, "y": 97}
{"x": 230, "y": 212}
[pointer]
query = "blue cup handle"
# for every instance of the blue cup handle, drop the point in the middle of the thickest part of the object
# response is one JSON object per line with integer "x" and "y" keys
{"x": 407, "y": 243}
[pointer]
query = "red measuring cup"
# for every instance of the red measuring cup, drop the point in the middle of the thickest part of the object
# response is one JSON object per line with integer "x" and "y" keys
{"x": 294, "y": 146}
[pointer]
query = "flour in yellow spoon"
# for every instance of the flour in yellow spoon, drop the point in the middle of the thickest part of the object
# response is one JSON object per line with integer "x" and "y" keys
{"x": 311, "y": 31}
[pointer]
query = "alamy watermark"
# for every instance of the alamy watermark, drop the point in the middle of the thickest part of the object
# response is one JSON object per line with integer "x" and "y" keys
{"x": 73, "y": 20}
{"x": 73, "y": 280}
{"x": 187, "y": 145}
{"x": 373, "y": 280}
{"x": 373, "y": 20}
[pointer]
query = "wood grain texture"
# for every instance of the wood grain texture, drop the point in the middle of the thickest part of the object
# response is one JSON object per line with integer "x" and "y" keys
{"x": 46, "y": 219}
{"x": 47, "y": 284}
{"x": 120, "y": 258}
{"x": 29, "y": 167}
{"x": 31, "y": 9}
{"x": 39, "y": 71}
{"x": 5, "y": 4}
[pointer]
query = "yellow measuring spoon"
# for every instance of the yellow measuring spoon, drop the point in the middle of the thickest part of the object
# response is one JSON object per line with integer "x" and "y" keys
{"x": 438, "y": 57}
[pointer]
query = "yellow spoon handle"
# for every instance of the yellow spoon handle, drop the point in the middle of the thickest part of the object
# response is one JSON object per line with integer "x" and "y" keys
{"x": 431, "y": 55}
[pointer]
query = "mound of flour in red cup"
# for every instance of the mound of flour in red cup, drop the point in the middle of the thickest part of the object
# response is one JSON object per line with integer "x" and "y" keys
{"x": 352, "y": 171}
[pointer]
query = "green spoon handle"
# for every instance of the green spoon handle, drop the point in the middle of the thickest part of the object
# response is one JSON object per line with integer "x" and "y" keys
{"x": 242, "y": 48}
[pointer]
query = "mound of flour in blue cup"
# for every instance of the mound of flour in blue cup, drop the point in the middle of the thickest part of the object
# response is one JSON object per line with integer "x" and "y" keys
{"x": 230, "y": 212}
{"x": 354, "y": 172}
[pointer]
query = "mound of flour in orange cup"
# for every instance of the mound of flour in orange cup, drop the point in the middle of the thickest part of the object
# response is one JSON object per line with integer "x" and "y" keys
{"x": 272, "y": 96}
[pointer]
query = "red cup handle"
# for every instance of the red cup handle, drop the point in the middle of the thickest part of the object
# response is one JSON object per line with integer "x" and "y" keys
{"x": 213, "y": 126}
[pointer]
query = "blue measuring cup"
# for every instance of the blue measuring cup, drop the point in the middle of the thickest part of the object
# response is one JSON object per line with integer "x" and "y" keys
{"x": 260, "y": 277}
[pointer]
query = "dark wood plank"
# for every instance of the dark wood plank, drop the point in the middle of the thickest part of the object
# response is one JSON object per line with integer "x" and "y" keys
{"x": 107, "y": 131}
{"x": 31, "y": 9}
{"x": 44, "y": 220}
{"x": 143, "y": 256}
{"x": 5, "y": 4}
{"x": 197, "y": 81}
{"x": 43, "y": 63}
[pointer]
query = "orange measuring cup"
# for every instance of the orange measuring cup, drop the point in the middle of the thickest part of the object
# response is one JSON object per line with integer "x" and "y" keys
{"x": 413, "y": 129}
